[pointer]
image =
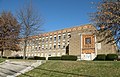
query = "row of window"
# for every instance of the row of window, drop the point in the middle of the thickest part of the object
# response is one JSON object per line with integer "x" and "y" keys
{"x": 45, "y": 54}
{"x": 38, "y": 42}
{"x": 50, "y": 47}
{"x": 55, "y": 38}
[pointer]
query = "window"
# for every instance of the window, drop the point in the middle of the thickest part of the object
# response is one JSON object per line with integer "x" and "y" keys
{"x": 43, "y": 40}
{"x": 39, "y": 38}
{"x": 35, "y": 48}
{"x": 54, "y": 38}
{"x": 69, "y": 35}
{"x": 39, "y": 48}
{"x": 50, "y": 46}
{"x": 46, "y": 39}
{"x": 63, "y": 46}
{"x": 46, "y": 46}
{"x": 68, "y": 42}
{"x": 33, "y": 42}
{"x": 54, "y": 46}
{"x": 58, "y": 46}
{"x": 59, "y": 37}
{"x": 32, "y": 47}
{"x": 64, "y": 37}
{"x": 87, "y": 40}
{"x": 42, "y": 48}
{"x": 50, "y": 38}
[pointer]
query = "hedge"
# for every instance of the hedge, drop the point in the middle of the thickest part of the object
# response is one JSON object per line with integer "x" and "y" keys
{"x": 18, "y": 57}
{"x": 11, "y": 57}
{"x": 101, "y": 57}
{"x": 39, "y": 58}
{"x": 36, "y": 58}
{"x": 54, "y": 58}
{"x": 111, "y": 57}
{"x": 69, "y": 57}
{"x": 4, "y": 57}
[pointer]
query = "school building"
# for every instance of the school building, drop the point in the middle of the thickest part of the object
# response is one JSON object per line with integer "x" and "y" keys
{"x": 79, "y": 40}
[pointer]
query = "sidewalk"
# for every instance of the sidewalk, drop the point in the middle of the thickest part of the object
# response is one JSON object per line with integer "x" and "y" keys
{"x": 12, "y": 68}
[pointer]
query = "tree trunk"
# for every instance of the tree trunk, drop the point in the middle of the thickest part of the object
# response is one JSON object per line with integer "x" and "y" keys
{"x": 2, "y": 53}
{"x": 24, "y": 53}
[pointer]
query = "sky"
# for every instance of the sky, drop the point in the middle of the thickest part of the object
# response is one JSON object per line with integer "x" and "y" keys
{"x": 56, "y": 14}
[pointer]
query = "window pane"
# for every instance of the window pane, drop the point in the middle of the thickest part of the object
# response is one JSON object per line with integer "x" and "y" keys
{"x": 87, "y": 40}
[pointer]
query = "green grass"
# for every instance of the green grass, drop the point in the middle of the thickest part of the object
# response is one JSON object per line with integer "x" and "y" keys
{"x": 1, "y": 60}
{"x": 76, "y": 69}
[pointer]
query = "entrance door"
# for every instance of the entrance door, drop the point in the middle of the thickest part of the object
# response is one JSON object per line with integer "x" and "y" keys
{"x": 88, "y": 47}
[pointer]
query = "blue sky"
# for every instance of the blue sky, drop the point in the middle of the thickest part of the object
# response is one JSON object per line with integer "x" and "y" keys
{"x": 57, "y": 14}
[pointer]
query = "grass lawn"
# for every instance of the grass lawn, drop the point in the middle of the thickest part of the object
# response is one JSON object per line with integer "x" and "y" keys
{"x": 1, "y": 60}
{"x": 76, "y": 69}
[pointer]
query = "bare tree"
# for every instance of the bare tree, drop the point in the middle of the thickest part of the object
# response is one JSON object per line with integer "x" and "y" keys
{"x": 107, "y": 20}
{"x": 30, "y": 23}
{"x": 9, "y": 32}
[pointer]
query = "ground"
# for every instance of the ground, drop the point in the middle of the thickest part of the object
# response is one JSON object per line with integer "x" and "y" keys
{"x": 76, "y": 69}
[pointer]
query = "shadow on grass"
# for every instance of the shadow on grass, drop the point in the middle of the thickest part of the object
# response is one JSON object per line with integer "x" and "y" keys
{"x": 64, "y": 72}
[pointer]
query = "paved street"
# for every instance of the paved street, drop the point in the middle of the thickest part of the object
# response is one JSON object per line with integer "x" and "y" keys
{"x": 13, "y": 68}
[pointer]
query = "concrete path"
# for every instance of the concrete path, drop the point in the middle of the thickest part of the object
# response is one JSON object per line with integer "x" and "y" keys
{"x": 13, "y": 68}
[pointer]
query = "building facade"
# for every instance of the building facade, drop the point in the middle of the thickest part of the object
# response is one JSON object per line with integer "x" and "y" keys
{"x": 80, "y": 41}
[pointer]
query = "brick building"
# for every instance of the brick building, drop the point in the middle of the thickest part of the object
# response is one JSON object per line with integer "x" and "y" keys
{"x": 78, "y": 40}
